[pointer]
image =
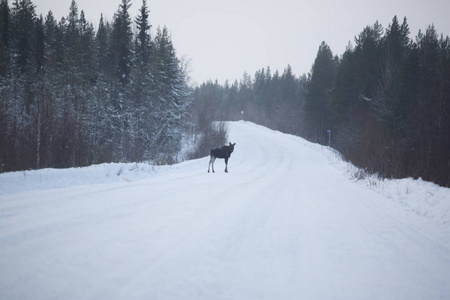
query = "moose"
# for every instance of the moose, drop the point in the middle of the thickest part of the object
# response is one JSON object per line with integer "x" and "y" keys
{"x": 223, "y": 152}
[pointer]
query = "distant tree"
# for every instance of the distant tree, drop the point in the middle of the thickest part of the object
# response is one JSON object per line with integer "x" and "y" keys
{"x": 319, "y": 94}
{"x": 292, "y": 92}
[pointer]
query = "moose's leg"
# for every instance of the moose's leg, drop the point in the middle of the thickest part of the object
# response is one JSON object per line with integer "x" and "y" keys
{"x": 211, "y": 162}
{"x": 226, "y": 165}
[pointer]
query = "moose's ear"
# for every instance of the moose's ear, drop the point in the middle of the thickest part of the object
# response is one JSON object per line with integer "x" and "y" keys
{"x": 234, "y": 144}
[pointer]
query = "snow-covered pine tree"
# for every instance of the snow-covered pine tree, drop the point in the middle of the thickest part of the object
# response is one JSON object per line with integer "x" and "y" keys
{"x": 142, "y": 87}
{"x": 143, "y": 40}
{"x": 47, "y": 92}
{"x": 21, "y": 99}
{"x": 171, "y": 95}
{"x": 102, "y": 131}
{"x": 120, "y": 54}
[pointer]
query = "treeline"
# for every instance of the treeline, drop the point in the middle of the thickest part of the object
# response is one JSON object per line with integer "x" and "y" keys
{"x": 273, "y": 100}
{"x": 385, "y": 101}
{"x": 73, "y": 96}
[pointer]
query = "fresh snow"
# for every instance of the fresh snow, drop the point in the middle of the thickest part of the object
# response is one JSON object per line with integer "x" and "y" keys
{"x": 290, "y": 221}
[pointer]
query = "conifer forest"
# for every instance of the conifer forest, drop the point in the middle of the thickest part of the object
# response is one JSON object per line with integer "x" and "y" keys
{"x": 72, "y": 95}
{"x": 384, "y": 104}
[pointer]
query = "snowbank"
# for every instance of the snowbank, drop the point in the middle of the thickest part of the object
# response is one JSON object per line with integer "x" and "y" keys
{"x": 15, "y": 182}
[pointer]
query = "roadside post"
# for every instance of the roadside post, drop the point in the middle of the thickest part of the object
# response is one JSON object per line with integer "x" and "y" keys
{"x": 329, "y": 137}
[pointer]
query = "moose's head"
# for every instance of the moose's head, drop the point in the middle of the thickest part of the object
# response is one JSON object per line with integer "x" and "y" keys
{"x": 231, "y": 146}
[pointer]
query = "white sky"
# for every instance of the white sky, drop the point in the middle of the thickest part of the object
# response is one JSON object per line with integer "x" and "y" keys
{"x": 223, "y": 39}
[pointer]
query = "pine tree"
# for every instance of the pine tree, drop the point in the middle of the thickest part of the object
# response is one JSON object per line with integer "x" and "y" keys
{"x": 46, "y": 92}
{"x": 24, "y": 18}
{"x": 120, "y": 56}
{"x": 143, "y": 46}
{"x": 102, "y": 38}
{"x": 73, "y": 26}
{"x": 5, "y": 24}
{"x": 103, "y": 133}
{"x": 388, "y": 94}
{"x": 143, "y": 121}
{"x": 290, "y": 103}
{"x": 121, "y": 43}
{"x": 397, "y": 40}
{"x": 171, "y": 94}
{"x": 21, "y": 84}
{"x": 429, "y": 113}
{"x": 367, "y": 55}
{"x": 319, "y": 93}
{"x": 5, "y": 83}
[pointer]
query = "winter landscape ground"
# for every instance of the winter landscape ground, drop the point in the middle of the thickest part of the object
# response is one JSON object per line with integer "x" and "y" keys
{"x": 290, "y": 221}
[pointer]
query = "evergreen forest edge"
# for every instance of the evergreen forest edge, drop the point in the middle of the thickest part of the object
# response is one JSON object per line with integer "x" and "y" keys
{"x": 72, "y": 96}
{"x": 384, "y": 104}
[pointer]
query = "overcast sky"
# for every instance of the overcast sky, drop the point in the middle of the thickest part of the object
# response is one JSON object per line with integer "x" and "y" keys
{"x": 223, "y": 39}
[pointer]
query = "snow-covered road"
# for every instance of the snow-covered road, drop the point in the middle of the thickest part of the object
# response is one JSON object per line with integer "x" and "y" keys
{"x": 285, "y": 223}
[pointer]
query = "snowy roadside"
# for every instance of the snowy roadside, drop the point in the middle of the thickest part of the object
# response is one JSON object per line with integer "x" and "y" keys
{"x": 414, "y": 196}
{"x": 24, "y": 181}
{"x": 50, "y": 178}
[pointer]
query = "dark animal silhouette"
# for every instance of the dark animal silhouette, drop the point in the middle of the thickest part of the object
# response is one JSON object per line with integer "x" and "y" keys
{"x": 223, "y": 152}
